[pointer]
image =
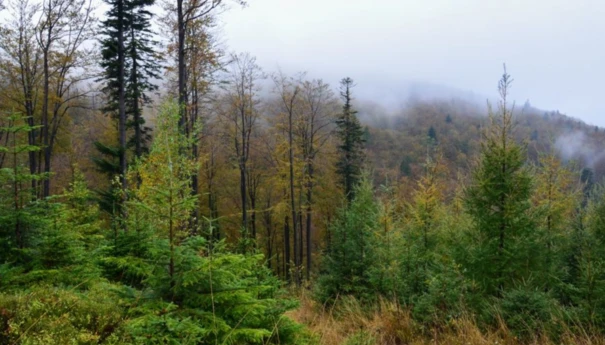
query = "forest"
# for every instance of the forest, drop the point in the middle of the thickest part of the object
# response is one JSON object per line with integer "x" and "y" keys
{"x": 157, "y": 188}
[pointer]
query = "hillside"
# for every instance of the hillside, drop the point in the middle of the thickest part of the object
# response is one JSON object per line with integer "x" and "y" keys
{"x": 398, "y": 142}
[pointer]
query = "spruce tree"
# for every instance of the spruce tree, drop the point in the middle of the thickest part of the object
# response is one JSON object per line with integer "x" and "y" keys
{"x": 19, "y": 213}
{"x": 143, "y": 66}
{"x": 139, "y": 63}
{"x": 351, "y": 153}
{"x": 113, "y": 62}
{"x": 498, "y": 201}
{"x": 347, "y": 268}
{"x": 129, "y": 62}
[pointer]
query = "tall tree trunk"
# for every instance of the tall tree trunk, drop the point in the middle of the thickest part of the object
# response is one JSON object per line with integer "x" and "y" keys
{"x": 195, "y": 213}
{"x": 242, "y": 189}
{"x": 121, "y": 96}
{"x": 45, "y": 100}
{"x": 253, "y": 214}
{"x": 18, "y": 229}
{"x": 182, "y": 68}
{"x": 212, "y": 198}
{"x": 136, "y": 94}
{"x": 292, "y": 202}
{"x": 309, "y": 220}
{"x": 269, "y": 233}
{"x": 31, "y": 140}
{"x": 287, "y": 249}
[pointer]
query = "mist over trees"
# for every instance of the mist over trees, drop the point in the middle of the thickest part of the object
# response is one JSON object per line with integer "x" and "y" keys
{"x": 159, "y": 189}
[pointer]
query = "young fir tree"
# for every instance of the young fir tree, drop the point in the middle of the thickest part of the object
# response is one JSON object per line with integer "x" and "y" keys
{"x": 195, "y": 289}
{"x": 19, "y": 213}
{"x": 588, "y": 251}
{"x": 346, "y": 269}
{"x": 498, "y": 201}
{"x": 556, "y": 198}
{"x": 351, "y": 153}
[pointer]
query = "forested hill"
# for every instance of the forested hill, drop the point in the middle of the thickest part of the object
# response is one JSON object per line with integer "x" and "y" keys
{"x": 397, "y": 142}
{"x": 175, "y": 193}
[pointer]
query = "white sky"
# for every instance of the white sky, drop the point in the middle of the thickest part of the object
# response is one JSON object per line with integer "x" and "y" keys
{"x": 554, "y": 49}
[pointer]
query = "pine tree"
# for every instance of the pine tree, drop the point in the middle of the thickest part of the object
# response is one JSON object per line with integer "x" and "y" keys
{"x": 351, "y": 153}
{"x": 499, "y": 203}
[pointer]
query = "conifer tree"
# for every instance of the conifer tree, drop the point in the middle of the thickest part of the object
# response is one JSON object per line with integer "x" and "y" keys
{"x": 129, "y": 62}
{"x": 143, "y": 66}
{"x": 499, "y": 203}
{"x": 346, "y": 269}
{"x": 18, "y": 215}
{"x": 555, "y": 198}
{"x": 351, "y": 147}
{"x": 136, "y": 59}
{"x": 113, "y": 62}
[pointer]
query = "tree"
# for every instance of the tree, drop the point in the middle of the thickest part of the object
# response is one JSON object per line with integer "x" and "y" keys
{"x": 556, "y": 197}
{"x": 432, "y": 134}
{"x": 143, "y": 68}
{"x": 289, "y": 93}
{"x": 129, "y": 62}
{"x": 114, "y": 64}
{"x": 498, "y": 201}
{"x": 65, "y": 25}
{"x": 18, "y": 214}
{"x": 346, "y": 268}
{"x": 21, "y": 71}
{"x": 240, "y": 115}
{"x": 196, "y": 60}
{"x": 318, "y": 110}
{"x": 44, "y": 64}
{"x": 351, "y": 149}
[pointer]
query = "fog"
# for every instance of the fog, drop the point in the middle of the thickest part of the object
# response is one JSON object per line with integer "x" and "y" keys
{"x": 395, "y": 49}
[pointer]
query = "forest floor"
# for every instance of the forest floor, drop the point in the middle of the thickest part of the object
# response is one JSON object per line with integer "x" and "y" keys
{"x": 390, "y": 325}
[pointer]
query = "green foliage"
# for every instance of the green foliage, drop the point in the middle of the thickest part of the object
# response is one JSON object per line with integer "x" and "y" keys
{"x": 47, "y": 315}
{"x": 192, "y": 290}
{"x": 527, "y": 311}
{"x": 19, "y": 211}
{"x": 346, "y": 267}
{"x": 351, "y": 153}
{"x": 216, "y": 296}
{"x": 361, "y": 338}
{"x": 499, "y": 203}
{"x": 157, "y": 283}
{"x": 140, "y": 64}
{"x": 444, "y": 297}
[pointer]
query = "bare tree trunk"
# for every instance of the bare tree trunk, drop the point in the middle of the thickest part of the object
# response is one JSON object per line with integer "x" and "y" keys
{"x": 45, "y": 100}
{"x": 292, "y": 202}
{"x": 182, "y": 71}
{"x": 242, "y": 186}
{"x": 18, "y": 230}
{"x": 269, "y": 232}
{"x": 287, "y": 249}
{"x": 309, "y": 220}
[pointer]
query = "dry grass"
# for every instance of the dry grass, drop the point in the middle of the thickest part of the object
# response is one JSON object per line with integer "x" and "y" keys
{"x": 390, "y": 325}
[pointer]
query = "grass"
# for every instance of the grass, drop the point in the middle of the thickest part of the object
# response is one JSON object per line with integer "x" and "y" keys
{"x": 346, "y": 322}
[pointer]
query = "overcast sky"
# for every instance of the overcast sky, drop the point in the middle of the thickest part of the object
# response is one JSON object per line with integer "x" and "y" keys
{"x": 554, "y": 49}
